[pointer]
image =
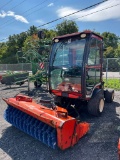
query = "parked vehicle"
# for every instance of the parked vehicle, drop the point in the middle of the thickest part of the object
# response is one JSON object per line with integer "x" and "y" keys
{"x": 75, "y": 80}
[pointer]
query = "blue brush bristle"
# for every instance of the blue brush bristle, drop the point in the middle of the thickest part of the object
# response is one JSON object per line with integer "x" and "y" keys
{"x": 32, "y": 126}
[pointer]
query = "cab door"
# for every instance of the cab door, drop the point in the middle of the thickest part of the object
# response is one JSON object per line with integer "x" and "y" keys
{"x": 94, "y": 65}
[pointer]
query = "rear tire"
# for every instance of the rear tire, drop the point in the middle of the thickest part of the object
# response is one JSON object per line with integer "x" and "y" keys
{"x": 109, "y": 96}
{"x": 96, "y": 104}
{"x": 37, "y": 84}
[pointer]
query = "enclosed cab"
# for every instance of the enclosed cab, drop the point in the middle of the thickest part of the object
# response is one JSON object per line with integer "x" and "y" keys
{"x": 75, "y": 70}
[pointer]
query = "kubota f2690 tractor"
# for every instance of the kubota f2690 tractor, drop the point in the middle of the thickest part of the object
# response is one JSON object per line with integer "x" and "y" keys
{"x": 75, "y": 78}
{"x": 75, "y": 72}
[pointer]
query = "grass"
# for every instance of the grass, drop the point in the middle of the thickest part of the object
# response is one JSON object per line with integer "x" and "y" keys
{"x": 112, "y": 83}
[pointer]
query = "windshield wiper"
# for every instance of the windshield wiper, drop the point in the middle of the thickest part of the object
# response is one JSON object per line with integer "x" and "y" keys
{"x": 57, "y": 50}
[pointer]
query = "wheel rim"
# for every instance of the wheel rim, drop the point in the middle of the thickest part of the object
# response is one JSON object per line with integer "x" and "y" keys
{"x": 101, "y": 105}
{"x": 112, "y": 95}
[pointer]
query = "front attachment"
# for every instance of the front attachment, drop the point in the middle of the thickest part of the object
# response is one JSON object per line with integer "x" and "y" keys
{"x": 119, "y": 148}
{"x": 51, "y": 126}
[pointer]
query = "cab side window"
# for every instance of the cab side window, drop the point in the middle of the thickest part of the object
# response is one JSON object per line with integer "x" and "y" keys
{"x": 94, "y": 54}
{"x": 93, "y": 72}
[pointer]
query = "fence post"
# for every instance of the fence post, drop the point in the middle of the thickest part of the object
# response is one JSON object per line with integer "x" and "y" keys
{"x": 22, "y": 66}
{"x": 106, "y": 70}
{"x": 6, "y": 67}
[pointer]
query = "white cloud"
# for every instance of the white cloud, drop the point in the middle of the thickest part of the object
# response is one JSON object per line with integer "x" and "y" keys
{"x": 90, "y": 15}
{"x": 20, "y": 18}
{"x": 40, "y": 21}
{"x": 51, "y": 4}
{"x": 2, "y": 14}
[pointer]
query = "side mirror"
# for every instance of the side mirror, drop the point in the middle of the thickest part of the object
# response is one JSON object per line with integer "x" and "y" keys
{"x": 41, "y": 35}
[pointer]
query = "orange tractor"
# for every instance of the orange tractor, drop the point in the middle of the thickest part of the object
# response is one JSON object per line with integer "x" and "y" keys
{"x": 75, "y": 80}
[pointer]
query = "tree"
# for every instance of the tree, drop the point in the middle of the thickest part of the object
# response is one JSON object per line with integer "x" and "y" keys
{"x": 20, "y": 39}
{"x": 111, "y": 44}
{"x": 117, "y": 51}
{"x": 3, "y": 49}
{"x": 110, "y": 39}
{"x": 49, "y": 34}
{"x": 109, "y": 53}
{"x": 32, "y": 30}
{"x": 33, "y": 47}
{"x": 66, "y": 27}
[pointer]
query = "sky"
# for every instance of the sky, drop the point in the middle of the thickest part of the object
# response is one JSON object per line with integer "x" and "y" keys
{"x": 17, "y": 16}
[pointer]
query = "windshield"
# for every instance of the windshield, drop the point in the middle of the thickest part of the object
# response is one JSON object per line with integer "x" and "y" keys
{"x": 68, "y": 53}
{"x": 66, "y": 64}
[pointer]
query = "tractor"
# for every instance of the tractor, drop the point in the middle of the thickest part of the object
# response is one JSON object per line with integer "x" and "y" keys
{"x": 74, "y": 79}
{"x": 76, "y": 74}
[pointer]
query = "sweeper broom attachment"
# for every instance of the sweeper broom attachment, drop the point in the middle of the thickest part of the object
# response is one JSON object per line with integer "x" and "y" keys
{"x": 53, "y": 126}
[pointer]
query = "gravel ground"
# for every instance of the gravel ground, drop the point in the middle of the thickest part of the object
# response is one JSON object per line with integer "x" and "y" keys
{"x": 99, "y": 144}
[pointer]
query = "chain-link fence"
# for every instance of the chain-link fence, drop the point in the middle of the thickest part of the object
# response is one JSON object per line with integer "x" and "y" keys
{"x": 16, "y": 67}
{"x": 111, "y": 70}
{"x": 111, "y": 65}
{"x": 22, "y": 67}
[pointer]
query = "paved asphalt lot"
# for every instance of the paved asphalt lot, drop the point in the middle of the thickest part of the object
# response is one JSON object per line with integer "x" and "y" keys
{"x": 99, "y": 144}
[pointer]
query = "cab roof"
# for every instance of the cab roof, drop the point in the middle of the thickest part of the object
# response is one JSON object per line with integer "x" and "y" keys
{"x": 79, "y": 33}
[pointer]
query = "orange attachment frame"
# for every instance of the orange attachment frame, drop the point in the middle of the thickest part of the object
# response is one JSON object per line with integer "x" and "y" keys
{"x": 69, "y": 131}
{"x": 119, "y": 148}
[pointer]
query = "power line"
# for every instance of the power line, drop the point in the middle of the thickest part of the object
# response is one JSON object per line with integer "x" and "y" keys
{"x": 77, "y": 12}
{"x": 69, "y": 14}
{"x": 18, "y": 4}
{"x": 93, "y": 13}
{"x": 37, "y": 10}
{"x": 6, "y": 3}
{"x": 60, "y": 17}
{"x": 72, "y": 13}
{"x": 97, "y": 11}
{"x": 25, "y": 12}
{"x": 13, "y": 8}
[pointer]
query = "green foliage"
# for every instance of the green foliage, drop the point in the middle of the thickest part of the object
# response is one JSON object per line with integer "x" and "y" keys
{"x": 50, "y": 34}
{"x": 112, "y": 83}
{"x": 117, "y": 52}
{"x": 3, "y": 50}
{"x": 35, "y": 49}
{"x": 66, "y": 27}
{"x": 32, "y": 30}
{"x": 110, "y": 39}
{"x": 109, "y": 53}
{"x": 111, "y": 44}
{"x": 9, "y": 49}
{"x": 18, "y": 45}
{"x": 29, "y": 43}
